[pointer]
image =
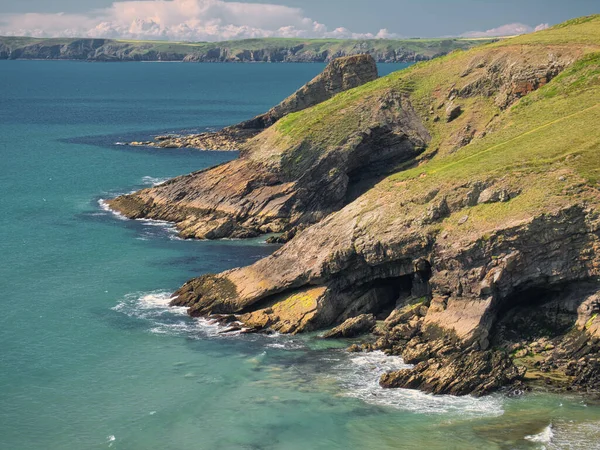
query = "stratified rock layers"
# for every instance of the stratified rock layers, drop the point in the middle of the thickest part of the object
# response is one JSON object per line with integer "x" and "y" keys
{"x": 480, "y": 252}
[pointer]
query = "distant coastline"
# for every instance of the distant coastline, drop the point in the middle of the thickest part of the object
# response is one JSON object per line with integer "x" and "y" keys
{"x": 242, "y": 51}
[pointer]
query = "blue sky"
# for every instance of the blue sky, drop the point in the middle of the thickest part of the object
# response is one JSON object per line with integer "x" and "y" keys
{"x": 224, "y": 19}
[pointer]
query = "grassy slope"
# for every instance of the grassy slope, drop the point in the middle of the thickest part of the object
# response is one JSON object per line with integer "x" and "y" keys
{"x": 546, "y": 137}
{"x": 425, "y": 47}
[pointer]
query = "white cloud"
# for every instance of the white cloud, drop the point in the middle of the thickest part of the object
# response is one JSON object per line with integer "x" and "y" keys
{"x": 542, "y": 26}
{"x": 511, "y": 29}
{"x": 190, "y": 20}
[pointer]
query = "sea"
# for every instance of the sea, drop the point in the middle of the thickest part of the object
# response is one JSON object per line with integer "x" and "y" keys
{"x": 92, "y": 357}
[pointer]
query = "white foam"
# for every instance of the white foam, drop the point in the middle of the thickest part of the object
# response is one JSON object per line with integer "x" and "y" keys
{"x": 153, "y": 181}
{"x": 359, "y": 374}
{"x": 104, "y": 206}
{"x": 168, "y": 320}
{"x": 545, "y": 436}
{"x": 147, "y": 305}
{"x": 169, "y": 227}
{"x": 110, "y": 440}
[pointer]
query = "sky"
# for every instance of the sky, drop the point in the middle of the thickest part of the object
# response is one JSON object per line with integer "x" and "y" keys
{"x": 214, "y": 20}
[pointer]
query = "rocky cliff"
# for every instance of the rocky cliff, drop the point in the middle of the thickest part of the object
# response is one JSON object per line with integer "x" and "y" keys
{"x": 250, "y": 50}
{"x": 457, "y": 201}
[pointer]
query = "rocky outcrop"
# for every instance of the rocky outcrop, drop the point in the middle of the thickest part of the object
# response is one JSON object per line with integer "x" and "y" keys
{"x": 340, "y": 75}
{"x": 228, "y": 139}
{"x": 352, "y": 327}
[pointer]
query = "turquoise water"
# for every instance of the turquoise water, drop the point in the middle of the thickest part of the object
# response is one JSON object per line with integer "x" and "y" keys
{"x": 91, "y": 357}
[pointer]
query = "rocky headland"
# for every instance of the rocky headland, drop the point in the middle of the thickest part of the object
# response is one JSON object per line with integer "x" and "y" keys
{"x": 248, "y": 50}
{"x": 451, "y": 210}
{"x": 340, "y": 75}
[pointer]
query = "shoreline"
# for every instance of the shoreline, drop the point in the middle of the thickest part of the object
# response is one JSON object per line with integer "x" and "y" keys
{"x": 414, "y": 207}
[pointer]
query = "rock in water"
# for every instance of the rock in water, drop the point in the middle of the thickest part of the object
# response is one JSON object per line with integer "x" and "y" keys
{"x": 352, "y": 327}
{"x": 476, "y": 373}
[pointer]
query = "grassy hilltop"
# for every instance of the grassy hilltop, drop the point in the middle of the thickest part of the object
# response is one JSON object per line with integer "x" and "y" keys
{"x": 551, "y": 130}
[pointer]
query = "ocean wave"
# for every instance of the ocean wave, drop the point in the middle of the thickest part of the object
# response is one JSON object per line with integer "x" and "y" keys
{"x": 153, "y": 181}
{"x": 104, "y": 206}
{"x": 168, "y": 227}
{"x": 168, "y": 320}
{"x": 359, "y": 375}
{"x": 284, "y": 342}
{"x": 163, "y": 225}
{"x": 544, "y": 437}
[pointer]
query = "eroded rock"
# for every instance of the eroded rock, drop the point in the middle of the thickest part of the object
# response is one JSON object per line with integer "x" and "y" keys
{"x": 352, "y": 327}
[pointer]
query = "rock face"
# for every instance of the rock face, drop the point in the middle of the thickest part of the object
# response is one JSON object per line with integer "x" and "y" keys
{"x": 340, "y": 75}
{"x": 252, "y": 50}
{"x": 352, "y": 327}
{"x": 267, "y": 190}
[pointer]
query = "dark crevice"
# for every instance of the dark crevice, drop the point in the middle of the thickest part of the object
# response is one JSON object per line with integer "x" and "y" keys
{"x": 538, "y": 311}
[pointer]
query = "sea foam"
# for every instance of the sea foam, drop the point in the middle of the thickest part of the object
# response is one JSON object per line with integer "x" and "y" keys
{"x": 359, "y": 376}
{"x": 104, "y": 206}
{"x": 164, "y": 319}
{"x": 153, "y": 181}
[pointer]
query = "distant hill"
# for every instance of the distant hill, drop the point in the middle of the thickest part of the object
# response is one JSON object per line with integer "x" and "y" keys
{"x": 250, "y": 50}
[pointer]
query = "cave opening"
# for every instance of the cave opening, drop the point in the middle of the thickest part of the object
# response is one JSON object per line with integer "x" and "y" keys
{"x": 534, "y": 312}
{"x": 395, "y": 290}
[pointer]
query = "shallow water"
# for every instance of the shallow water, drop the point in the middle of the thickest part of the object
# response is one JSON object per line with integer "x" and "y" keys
{"x": 91, "y": 357}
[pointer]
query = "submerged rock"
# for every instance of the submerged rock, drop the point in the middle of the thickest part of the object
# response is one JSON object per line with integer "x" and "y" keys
{"x": 475, "y": 373}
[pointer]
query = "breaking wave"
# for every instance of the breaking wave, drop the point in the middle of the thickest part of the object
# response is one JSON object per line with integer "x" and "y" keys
{"x": 169, "y": 320}
{"x": 104, "y": 206}
{"x": 359, "y": 376}
{"x": 153, "y": 181}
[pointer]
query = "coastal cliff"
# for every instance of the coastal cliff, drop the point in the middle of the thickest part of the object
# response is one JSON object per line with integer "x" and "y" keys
{"x": 456, "y": 201}
{"x": 249, "y": 50}
{"x": 275, "y": 187}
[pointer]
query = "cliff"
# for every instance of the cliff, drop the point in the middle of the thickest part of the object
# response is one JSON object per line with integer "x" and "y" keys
{"x": 457, "y": 201}
{"x": 250, "y": 50}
